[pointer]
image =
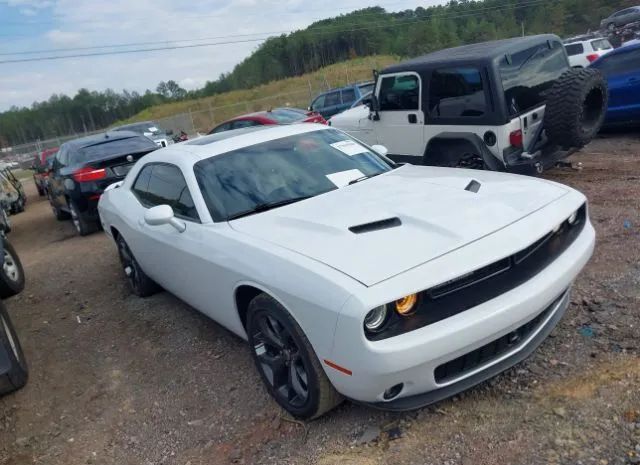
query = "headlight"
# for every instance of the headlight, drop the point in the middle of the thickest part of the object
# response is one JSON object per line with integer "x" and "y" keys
{"x": 376, "y": 319}
{"x": 573, "y": 218}
{"x": 407, "y": 305}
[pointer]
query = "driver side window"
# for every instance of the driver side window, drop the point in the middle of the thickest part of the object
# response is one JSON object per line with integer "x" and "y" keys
{"x": 164, "y": 184}
{"x": 400, "y": 93}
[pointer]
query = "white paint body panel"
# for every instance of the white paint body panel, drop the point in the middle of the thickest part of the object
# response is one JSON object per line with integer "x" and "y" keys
{"x": 328, "y": 278}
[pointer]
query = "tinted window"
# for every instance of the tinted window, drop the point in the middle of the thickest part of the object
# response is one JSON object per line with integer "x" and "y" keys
{"x": 244, "y": 123}
{"x": 574, "y": 49}
{"x": 113, "y": 148}
{"x": 165, "y": 185}
{"x": 527, "y": 75}
{"x": 456, "y": 92}
{"x": 141, "y": 128}
{"x": 601, "y": 44}
{"x": 63, "y": 156}
{"x": 142, "y": 182}
{"x": 306, "y": 164}
{"x": 399, "y": 93}
{"x": 284, "y": 116}
{"x": 366, "y": 88}
{"x": 348, "y": 95}
{"x": 332, "y": 99}
{"x": 221, "y": 128}
{"x": 620, "y": 63}
{"x": 318, "y": 103}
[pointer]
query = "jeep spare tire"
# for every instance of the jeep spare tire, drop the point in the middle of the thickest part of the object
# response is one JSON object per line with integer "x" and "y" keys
{"x": 576, "y": 107}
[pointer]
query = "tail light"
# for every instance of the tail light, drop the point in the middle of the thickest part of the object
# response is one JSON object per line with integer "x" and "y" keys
{"x": 593, "y": 57}
{"x": 89, "y": 174}
{"x": 516, "y": 138}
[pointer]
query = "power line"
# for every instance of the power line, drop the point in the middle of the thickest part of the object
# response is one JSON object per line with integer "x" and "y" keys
{"x": 327, "y": 30}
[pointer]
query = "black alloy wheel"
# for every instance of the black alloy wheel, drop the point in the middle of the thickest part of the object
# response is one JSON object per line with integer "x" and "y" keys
{"x": 287, "y": 362}
{"x": 141, "y": 285}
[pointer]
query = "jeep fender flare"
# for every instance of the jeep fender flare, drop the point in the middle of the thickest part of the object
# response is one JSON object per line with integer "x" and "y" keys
{"x": 447, "y": 148}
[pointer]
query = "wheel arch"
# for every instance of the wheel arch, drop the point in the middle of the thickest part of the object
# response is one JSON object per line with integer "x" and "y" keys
{"x": 439, "y": 147}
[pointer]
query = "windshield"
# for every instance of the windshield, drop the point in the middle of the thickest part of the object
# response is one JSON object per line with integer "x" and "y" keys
{"x": 113, "y": 148}
{"x": 143, "y": 128}
{"x": 273, "y": 172}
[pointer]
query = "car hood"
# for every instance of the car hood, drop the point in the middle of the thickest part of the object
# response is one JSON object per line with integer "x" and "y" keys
{"x": 401, "y": 219}
{"x": 351, "y": 118}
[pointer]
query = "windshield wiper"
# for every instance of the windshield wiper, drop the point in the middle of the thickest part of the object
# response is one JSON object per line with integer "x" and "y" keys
{"x": 362, "y": 178}
{"x": 263, "y": 207}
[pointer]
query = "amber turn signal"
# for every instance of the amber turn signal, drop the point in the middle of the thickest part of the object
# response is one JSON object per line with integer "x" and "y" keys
{"x": 407, "y": 305}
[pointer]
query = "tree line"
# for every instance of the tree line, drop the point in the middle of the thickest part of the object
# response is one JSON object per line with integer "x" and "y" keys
{"x": 361, "y": 33}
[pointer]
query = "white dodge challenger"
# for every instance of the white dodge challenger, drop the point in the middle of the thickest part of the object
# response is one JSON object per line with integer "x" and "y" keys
{"x": 351, "y": 276}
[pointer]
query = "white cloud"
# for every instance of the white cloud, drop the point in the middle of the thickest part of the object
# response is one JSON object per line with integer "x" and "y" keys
{"x": 97, "y": 22}
{"x": 58, "y": 37}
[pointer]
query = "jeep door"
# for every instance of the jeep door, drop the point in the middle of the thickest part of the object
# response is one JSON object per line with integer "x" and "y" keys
{"x": 401, "y": 125}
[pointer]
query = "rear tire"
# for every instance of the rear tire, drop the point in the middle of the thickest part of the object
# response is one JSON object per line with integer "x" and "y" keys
{"x": 287, "y": 363}
{"x": 140, "y": 284}
{"x": 18, "y": 372}
{"x": 576, "y": 107}
{"x": 12, "y": 272}
{"x": 60, "y": 215}
{"x": 83, "y": 226}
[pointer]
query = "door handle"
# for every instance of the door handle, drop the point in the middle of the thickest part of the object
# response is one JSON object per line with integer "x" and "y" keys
{"x": 413, "y": 119}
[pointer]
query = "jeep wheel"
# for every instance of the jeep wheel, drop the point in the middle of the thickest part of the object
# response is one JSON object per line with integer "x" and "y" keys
{"x": 471, "y": 161}
{"x": 576, "y": 107}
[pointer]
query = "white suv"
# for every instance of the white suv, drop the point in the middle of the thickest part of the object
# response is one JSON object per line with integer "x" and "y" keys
{"x": 512, "y": 105}
{"x": 583, "y": 51}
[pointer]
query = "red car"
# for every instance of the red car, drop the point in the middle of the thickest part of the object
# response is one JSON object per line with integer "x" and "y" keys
{"x": 41, "y": 170}
{"x": 275, "y": 116}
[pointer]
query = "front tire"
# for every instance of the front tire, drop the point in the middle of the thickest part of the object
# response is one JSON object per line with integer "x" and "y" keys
{"x": 18, "y": 372}
{"x": 12, "y": 273}
{"x": 286, "y": 361}
{"x": 140, "y": 284}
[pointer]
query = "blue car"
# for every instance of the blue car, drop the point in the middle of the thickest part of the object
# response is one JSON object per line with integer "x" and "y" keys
{"x": 622, "y": 70}
{"x": 336, "y": 101}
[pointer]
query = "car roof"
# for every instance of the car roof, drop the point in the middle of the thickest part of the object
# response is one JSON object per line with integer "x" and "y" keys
{"x": 583, "y": 38}
{"x": 350, "y": 86}
{"x": 219, "y": 143}
{"x": 101, "y": 137}
{"x": 484, "y": 51}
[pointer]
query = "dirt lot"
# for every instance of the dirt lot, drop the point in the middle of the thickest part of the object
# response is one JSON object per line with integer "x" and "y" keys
{"x": 120, "y": 380}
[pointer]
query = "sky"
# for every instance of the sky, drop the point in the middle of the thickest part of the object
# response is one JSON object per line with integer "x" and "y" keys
{"x": 36, "y": 25}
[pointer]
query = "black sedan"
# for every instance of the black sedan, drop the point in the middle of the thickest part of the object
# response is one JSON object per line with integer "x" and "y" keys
{"x": 84, "y": 167}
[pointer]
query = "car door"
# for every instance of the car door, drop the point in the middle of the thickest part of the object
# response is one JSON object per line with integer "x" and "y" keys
{"x": 623, "y": 75}
{"x": 60, "y": 171}
{"x": 332, "y": 102}
{"x": 400, "y": 127}
{"x": 348, "y": 97}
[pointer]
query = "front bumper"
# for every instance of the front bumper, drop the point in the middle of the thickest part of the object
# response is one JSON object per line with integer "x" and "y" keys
{"x": 411, "y": 359}
{"x": 484, "y": 372}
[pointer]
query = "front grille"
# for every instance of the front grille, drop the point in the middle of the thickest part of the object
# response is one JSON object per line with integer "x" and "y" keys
{"x": 479, "y": 286}
{"x": 492, "y": 351}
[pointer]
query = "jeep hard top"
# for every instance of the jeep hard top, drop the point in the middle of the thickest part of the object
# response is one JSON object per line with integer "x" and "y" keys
{"x": 511, "y": 104}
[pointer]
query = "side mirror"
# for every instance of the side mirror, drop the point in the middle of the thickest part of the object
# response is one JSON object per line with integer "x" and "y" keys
{"x": 163, "y": 214}
{"x": 309, "y": 108}
{"x": 380, "y": 149}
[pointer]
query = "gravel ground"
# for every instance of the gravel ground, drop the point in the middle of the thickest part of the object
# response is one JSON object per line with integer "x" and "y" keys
{"x": 120, "y": 380}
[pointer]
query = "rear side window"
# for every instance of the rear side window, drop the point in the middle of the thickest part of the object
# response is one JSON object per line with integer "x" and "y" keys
{"x": 574, "y": 49}
{"x": 399, "y": 93}
{"x": 529, "y": 74}
{"x": 601, "y": 44}
{"x": 113, "y": 148}
{"x": 457, "y": 93}
{"x": 163, "y": 184}
{"x": 348, "y": 96}
{"x": 244, "y": 123}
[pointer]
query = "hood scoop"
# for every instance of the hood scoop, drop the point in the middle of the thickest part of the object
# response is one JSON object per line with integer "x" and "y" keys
{"x": 376, "y": 225}
{"x": 473, "y": 186}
